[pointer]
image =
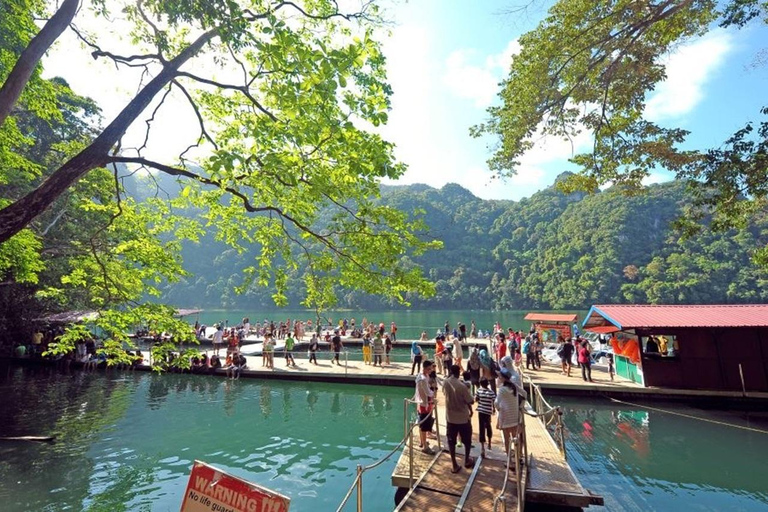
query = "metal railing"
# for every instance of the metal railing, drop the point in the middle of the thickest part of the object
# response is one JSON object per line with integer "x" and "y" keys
{"x": 517, "y": 449}
{"x": 548, "y": 414}
{"x": 408, "y": 427}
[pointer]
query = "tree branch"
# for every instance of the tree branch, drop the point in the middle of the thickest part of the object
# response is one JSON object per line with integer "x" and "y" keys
{"x": 22, "y": 70}
{"x": 203, "y": 132}
{"x": 14, "y": 217}
{"x": 176, "y": 171}
{"x": 242, "y": 88}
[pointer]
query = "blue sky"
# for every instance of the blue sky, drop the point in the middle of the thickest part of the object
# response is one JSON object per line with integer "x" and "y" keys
{"x": 445, "y": 60}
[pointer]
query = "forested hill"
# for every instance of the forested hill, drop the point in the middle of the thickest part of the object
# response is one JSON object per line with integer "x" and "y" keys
{"x": 549, "y": 251}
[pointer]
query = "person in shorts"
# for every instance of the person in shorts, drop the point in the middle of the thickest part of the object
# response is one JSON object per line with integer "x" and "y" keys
{"x": 424, "y": 398}
{"x": 458, "y": 411}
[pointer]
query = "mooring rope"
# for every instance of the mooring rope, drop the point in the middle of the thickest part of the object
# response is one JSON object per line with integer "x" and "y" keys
{"x": 690, "y": 416}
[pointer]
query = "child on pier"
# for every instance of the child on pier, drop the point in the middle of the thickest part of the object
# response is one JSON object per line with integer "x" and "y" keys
{"x": 485, "y": 409}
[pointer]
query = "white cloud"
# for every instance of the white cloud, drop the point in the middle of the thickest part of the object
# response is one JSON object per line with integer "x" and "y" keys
{"x": 528, "y": 175}
{"x": 468, "y": 76}
{"x": 656, "y": 177}
{"x": 688, "y": 70}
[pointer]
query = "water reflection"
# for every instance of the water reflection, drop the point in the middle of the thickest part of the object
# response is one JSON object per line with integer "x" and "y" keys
{"x": 128, "y": 439}
{"x": 640, "y": 458}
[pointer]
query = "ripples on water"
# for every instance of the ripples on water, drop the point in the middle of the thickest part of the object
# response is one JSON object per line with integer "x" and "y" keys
{"x": 642, "y": 460}
{"x": 127, "y": 441}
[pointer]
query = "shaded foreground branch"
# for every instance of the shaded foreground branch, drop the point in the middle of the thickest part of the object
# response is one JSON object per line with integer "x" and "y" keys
{"x": 17, "y": 215}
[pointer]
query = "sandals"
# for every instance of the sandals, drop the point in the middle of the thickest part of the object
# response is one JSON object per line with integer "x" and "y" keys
{"x": 469, "y": 463}
{"x": 456, "y": 469}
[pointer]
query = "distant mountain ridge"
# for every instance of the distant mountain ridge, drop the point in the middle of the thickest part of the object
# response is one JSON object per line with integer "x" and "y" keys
{"x": 550, "y": 250}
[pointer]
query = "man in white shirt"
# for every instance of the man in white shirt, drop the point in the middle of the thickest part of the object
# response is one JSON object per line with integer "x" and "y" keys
{"x": 218, "y": 339}
{"x": 424, "y": 399}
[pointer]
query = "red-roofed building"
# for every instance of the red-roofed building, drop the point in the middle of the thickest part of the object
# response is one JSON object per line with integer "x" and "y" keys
{"x": 721, "y": 347}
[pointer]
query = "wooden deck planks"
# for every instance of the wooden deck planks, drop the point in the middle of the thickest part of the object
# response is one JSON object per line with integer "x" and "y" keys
{"x": 549, "y": 480}
{"x": 487, "y": 485}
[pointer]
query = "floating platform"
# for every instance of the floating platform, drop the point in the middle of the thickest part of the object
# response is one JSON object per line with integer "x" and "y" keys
{"x": 549, "y": 377}
{"x": 549, "y": 479}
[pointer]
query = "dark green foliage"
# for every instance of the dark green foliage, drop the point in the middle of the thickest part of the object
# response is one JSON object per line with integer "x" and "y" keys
{"x": 551, "y": 250}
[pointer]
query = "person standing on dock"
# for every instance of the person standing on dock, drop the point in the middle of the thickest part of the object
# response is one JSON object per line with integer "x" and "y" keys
{"x": 458, "y": 411}
{"x": 566, "y": 353}
{"x": 416, "y": 355}
{"x": 530, "y": 353}
{"x": 485, "y": 408}
{"x": 289, "y": 343}
{"x": 393, "y": 331}
{"x": 387, "y": 347}
{"x": 218, "y": 338}
{"x": 439, "y": 349}
{"x": 367, "y": 359}
{"x": 473, "y": 366}
{"x": 473, "y": 330}
{"x": 314, "y": 344}
{"x": 378, "y": 349}
{"x": 458, "y": 352}
{"x": 425, "y": 402}
{"x": 508, "y": 403}
{"x": 337, "y": 346}
{"x": 268, "y": 349}
{"x": 585, "y": 362}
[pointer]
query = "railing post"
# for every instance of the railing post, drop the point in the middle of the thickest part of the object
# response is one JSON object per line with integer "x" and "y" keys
{"x": 518, "y": 474}
{"x": 410, "y": 458}
{"x": 405, "y": 417}
{"x": 359, "y": 488}
{"x": 524, "y": 441}
{"x": 437, "y": 428}
{"x": 561, "y": 432}
{"x": 346, "y": 362}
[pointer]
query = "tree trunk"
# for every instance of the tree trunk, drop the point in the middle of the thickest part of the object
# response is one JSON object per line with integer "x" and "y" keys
{"x": 32, "y": 54}
{"x": 16, "y": 216}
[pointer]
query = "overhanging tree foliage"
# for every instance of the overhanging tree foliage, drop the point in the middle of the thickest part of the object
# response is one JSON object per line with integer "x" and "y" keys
{"x": 282, "y": 137}
{"x": 589, "y": 67}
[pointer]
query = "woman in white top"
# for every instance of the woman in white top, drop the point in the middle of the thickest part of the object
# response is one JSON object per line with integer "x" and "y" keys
{"x": 510, "y": 414}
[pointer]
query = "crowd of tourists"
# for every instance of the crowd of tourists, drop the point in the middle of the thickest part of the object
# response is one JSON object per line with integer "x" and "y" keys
{"x": 490, "y": 380}
{"x": 501, "y": 396}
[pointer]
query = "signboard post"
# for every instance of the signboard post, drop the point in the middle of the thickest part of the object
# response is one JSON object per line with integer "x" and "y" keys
{"x": 212, "y": 490}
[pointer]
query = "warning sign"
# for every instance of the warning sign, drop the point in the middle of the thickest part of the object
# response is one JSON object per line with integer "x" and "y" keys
{"x": 212, "y": 490}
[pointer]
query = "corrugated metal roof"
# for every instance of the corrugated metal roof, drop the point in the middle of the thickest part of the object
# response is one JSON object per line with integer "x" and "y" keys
{"x": 550, "y": 317}
{"x": 628, "y": 316}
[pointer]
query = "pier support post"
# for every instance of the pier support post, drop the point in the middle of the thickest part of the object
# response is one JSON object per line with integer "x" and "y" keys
{"x": 359, "y": 488}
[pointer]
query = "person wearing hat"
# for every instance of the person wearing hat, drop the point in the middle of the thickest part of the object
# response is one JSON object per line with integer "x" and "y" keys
{"x": 508, "y": 404}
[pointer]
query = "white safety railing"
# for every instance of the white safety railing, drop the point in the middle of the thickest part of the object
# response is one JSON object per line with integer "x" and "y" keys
{"x": 409, "y": 426}
{"x": 517, "y": 448}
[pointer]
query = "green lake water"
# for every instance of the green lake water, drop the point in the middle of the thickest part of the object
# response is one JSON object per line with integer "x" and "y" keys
{"x": 126, "y": 442}
{"x": 642, "y": 460}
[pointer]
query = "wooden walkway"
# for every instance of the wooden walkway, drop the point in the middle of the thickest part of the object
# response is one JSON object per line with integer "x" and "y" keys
{"x": 549, "y": 479}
